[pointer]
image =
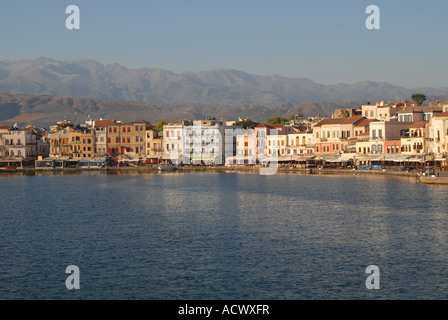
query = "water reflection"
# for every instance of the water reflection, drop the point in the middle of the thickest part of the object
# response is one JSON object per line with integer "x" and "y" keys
{"x": 223, "y": 236}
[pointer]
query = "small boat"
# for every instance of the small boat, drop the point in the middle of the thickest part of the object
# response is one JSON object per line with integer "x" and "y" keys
{"x": 165, "y": 167}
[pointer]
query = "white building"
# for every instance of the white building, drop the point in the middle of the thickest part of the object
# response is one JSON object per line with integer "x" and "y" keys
{"x": 197, "y": 142}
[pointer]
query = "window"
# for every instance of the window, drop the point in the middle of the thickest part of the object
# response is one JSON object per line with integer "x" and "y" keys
{"x": 380, "y": 133}
{"x": 373, "y": 134}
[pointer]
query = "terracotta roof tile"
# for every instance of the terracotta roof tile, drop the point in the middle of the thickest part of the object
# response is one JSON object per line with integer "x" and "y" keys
{"x": 420, "y": 124}
{"x": 103, "y": 123}
{"x": 350, "y": 120}
{"x": 441, "y": 115}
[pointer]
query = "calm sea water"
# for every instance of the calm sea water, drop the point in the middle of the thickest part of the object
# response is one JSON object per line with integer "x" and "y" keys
{"x": 222, "y": 236}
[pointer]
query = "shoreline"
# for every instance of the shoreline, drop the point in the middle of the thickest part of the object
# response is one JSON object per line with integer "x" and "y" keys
{"x": 224, "y": 169}
{"x": 213, "y": 169}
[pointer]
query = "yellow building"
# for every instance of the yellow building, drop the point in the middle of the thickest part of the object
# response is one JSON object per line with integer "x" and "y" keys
{"x": 277, "y": 144}
{"x": 82, "y": 144}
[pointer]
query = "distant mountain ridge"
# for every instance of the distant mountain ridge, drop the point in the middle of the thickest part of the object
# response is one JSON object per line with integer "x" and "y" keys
{"x": 44, "y": 110}
{"x": 90, "y": 79}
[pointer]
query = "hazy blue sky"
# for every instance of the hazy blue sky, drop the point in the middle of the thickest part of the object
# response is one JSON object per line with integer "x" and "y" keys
{"x": 326, "y": 41}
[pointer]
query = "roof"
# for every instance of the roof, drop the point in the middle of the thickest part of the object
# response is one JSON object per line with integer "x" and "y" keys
{"x": 364, "y": 122}
{"x": 103, "y": 123}
{"x": 367, "y": 133}
{"x": 411, "y": 109}
{"x": 5, "y": 127}
{"x": 421, "y": 109}
{"x": 351, "y": 120}
{"x": 441, "y": 115}
{"x": 420, "y": 124}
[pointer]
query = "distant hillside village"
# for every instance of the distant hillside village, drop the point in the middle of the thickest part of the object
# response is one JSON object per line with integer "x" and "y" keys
{"x": 372, "y": 136}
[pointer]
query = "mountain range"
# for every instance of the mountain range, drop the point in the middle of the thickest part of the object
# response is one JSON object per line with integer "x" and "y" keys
{"x": 48, "y": 88}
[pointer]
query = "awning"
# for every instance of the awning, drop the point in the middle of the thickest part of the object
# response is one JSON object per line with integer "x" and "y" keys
{"x": 286, "y": 158}
{"x": 364, "y": 158}
{"x": 399, "y": 158}
{"x": 415, "y": 159}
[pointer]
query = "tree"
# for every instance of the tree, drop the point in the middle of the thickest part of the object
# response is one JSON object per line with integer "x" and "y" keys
{"x": 418, "y": 98}
{"x": 276, "y": 120}
{"x": 246, "y": 123}
{"x": 292, "y": 117}
{"x": 345, "y": 113}
{"x": 160, "y": 124}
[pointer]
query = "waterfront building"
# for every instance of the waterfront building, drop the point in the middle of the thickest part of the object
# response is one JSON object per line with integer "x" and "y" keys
{"x": 153, "y": 145}
{"x": 43, "y": 146}
{"x": 246, "y": 149}
{"x": 173, "y": 134}
{"x": 127, "y": 138}
{"x": 416, "y": 141}
{"x": 18, "y": 146}
{"x": 382, "y": 131}
{"x": 300, "y": 143}
{"x": 392, "y": 146}
{"x": 362, "y": 127}
{"x": 60, "y": 142}
{"x": 276, "y": 144}
{"x": 438, "y": 131}
{"x": 332, "y": 135}
{"x": 100, "y": 128}
{"x": 82, "y": 144}
{"x": 3, "y": 130}
{"x": 262, "y": 132}
{"x": 207, "y": 141}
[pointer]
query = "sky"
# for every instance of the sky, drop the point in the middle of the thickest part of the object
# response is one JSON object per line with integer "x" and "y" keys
{"x": 324, "y": 40}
